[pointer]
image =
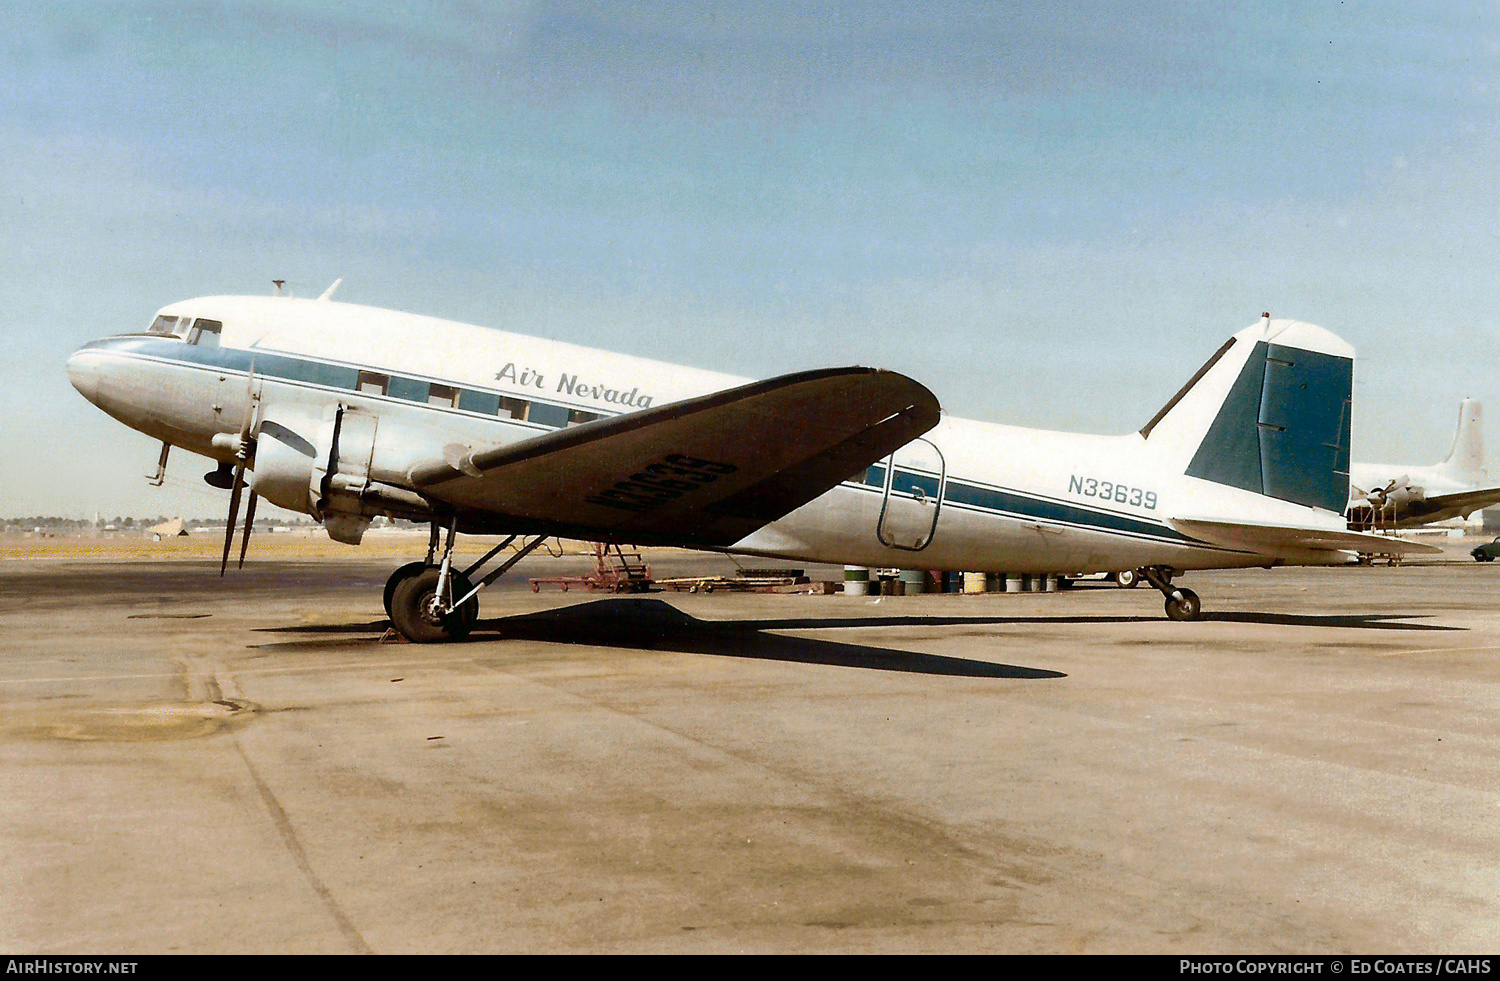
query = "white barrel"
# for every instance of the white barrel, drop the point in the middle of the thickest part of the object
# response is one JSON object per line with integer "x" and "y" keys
{"x": 1014, "y": 581}
{"x": 856, "y": 580}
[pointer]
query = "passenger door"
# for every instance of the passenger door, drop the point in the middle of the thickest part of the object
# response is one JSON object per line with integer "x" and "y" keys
{"x": 915, "y": 476}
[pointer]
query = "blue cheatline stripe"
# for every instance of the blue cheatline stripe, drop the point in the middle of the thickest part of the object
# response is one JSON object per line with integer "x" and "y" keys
{"x": 322, "y": 373}
{"x": 990, "y": 499}
{"x": 1010, "y": 503}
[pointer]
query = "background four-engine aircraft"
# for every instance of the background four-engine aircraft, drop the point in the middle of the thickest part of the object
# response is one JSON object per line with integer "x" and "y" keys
{"x": 1392, "y": 495}
{"x": 345, "y": 412}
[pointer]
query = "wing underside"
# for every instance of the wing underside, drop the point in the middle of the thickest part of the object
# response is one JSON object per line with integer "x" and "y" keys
{"x": 1441, "y": 506}
{"x": 704, "y": 472}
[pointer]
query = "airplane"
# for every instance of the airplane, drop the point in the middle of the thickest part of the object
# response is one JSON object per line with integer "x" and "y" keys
{"x": 1398, "y": 496}
{"x": 345, "y": 412}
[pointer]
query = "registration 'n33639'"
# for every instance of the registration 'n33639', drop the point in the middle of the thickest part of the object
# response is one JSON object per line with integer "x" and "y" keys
{"x": 1109, "y": 490}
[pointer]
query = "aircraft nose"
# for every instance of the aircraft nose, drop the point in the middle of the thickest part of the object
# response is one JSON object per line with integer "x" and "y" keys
{"x": 83, "y": 372}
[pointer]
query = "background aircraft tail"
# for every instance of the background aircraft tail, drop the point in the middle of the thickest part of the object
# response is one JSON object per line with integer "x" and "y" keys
{"x": 1269, "y": 413}
{"x": 1465, "y": 461}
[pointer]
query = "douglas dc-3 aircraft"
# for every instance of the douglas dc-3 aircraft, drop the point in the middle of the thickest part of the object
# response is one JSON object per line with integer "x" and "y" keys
{"x": 345, "y": 412}
{"x": 1392, "y": 495}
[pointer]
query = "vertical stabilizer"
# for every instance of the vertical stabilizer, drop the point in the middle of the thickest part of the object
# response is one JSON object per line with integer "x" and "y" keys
{"x": 1269, "y": 413}
{"x": 1465, "y": 461}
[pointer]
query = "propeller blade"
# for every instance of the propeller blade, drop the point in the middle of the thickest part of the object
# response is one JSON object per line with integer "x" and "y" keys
{"x": 234, "y": 513}
{"x": 249, "y": 524}
{"x": 242, "y": 454}
{"x": 251, "y": 404}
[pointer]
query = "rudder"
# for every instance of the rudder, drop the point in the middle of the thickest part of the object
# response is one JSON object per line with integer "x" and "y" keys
{"x": 1465, "y": 461}
{"x": 1270, "y": 414}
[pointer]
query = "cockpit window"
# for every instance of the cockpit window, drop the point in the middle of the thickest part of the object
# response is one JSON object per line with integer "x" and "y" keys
{"x": 205, "y": 333}
{"x": 162, "y": 325}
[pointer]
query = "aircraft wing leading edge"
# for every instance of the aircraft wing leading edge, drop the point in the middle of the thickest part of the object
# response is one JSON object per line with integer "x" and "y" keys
{"x": 1438, "y": 506}
{"x": 702, "y": 472}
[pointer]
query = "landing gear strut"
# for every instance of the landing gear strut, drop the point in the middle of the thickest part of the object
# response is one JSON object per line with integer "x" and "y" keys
{"x": 1182, "y": 603}
{"x": 436, "y": 603}
{"x": 410, "y": 570}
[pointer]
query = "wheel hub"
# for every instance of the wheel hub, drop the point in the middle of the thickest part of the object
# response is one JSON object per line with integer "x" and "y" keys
{"x": 432, "y": 609}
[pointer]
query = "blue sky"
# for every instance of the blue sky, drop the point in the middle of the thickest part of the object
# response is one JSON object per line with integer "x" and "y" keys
{"x": 1049, "y": 213}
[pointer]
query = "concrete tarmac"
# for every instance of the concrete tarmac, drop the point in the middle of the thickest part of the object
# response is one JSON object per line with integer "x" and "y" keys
{"x": 204, "y": 765}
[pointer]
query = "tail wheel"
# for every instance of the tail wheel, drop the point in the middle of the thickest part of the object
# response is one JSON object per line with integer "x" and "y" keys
{"x": 1128, "y": 579}
{"x": 416, "y": 612}
{"x": 397, "y": 578}
{"x": 1184, "y": 604}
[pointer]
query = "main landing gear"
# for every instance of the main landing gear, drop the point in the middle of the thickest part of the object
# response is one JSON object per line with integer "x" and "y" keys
{"x": 1182, "y": 603}
{"x": 430, "y": 603}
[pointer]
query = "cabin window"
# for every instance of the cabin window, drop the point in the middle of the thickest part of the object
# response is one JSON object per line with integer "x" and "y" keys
{"x": 443, "y": 395}
{"x": 481, "y": 402}
{"x": 407, "y": 388}
{"x": 577, "y": 417}
{"x": 205, "y": 333}
{"x": 548, "y": 415}
{"x": 514, "y": 408}
{"x": 373, "y": 383}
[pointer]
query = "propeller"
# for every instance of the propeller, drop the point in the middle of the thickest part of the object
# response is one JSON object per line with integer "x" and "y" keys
{"x": 1396, "y": 493}
{"x": 243, "y": 448}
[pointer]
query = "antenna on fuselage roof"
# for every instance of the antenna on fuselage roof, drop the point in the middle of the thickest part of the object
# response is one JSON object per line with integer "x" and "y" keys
{"x": 279, "y": 284}
{"x": 328, "y": 293}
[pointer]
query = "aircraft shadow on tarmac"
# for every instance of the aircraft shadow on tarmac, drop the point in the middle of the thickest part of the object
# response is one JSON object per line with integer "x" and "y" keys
{"x": 651, "y": 624}
{"x": 1364, "y": 621}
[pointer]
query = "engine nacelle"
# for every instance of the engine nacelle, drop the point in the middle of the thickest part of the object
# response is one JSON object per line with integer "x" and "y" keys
{"x": 321, "y": 466}
{"x": 285, "y": 458}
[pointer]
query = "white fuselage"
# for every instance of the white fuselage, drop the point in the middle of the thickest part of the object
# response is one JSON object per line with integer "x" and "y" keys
{"x": 1431, "y": 481}
{"x": 968, "y": 495}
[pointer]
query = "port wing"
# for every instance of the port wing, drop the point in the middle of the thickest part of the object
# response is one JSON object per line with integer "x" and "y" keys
{"x": 703, "y": 472}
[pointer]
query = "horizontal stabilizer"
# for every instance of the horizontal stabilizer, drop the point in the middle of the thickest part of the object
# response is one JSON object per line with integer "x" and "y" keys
{"x": 706, "y": 471}
{"x": 1274, "y": 539}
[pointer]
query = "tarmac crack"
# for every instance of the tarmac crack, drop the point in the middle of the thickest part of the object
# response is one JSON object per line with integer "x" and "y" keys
{"x": 288, "y": 833}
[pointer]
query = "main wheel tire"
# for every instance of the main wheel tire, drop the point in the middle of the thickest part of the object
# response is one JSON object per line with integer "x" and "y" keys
{"x": 1189, "y": 607}
{"x": 412, "y": 609}
{"x": 1129, "y": 579}
{"x": 397, "y": 578}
